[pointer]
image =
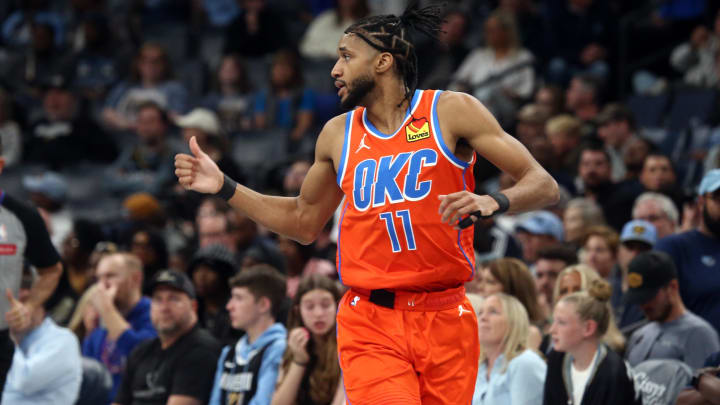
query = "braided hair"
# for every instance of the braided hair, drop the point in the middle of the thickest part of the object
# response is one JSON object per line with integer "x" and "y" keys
{"x": 390, "y": 33}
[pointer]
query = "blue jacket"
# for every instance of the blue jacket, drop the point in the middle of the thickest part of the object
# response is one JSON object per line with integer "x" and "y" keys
{"x": 267, "y": 377}
{"x": 114, "y": 354}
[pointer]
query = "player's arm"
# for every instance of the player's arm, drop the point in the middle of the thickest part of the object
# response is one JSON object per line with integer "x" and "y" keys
{"x": 300, "y": 218}
{"x": 463, "y": 117}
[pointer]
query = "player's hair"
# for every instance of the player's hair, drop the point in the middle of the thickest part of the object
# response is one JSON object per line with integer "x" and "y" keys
{"x": 592, "y": 304}
{"x": 263, "y": 280}
{"x": 588, "y": 276}
{"x": 324, "y": 368}
{"x": 516, "y": 280}
{"x": 518, "y": 328}
{"x": 390, "y": 33}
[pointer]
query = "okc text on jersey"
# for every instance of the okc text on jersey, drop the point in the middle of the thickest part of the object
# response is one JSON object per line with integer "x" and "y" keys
{"x": 376, "y": 181}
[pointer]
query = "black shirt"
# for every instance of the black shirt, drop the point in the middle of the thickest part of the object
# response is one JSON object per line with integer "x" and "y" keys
{"x": 186, "y": 368}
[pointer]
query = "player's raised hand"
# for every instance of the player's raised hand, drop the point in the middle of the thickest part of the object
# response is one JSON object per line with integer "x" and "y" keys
{"x": 198, "y": 172}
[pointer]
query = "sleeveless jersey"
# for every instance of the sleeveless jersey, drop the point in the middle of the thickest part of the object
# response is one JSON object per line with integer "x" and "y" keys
{"x": 390, "y": 232}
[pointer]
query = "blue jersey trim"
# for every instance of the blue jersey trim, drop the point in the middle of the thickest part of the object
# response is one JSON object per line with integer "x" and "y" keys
{"x": 339, "y": 259}
{"x": 346, "y": 146}
{"x": 439, "y": 138}
{"x": 376, "y": 132}
{"x": 472, "y": 268}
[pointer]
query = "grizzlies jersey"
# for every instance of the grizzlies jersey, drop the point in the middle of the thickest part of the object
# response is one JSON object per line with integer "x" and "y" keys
{"x": 390, "y": 233}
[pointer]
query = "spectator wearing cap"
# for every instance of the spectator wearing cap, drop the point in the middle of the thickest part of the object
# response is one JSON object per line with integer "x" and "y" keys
{"x": 595, "y": 175}
{"x": 247, "y": 371}
{"x": 48, "y": 191}
{"x": 46, "y": 366}
{"x": 210, "y": 269}
{"x": 659, "y": 210}
{"x": 637, "y": 236}
{"x": 538, "y": 229}
{"x": 204, "y": 125}
{"x": 696, "y": 254}
{"x": 615, "y": 127}
{"x": 146, "y": 165}
{"x": 118, "y": 318}
{"x": 673, "y": 332}
{"x": 177, "y": 366}
{"x": 65, "y": 134}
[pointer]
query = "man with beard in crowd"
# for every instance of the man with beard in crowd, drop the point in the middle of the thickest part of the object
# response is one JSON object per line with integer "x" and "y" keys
{"x": 696, "y": 254}
{"x": 673, "y": 332}
{"x": 616, "y": 199}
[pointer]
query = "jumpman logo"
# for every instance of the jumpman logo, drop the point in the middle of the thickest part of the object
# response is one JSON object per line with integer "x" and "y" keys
{"x": 355, "y": 301}
{"x": 461, "y": 310}
{"x": 362, "y": 144}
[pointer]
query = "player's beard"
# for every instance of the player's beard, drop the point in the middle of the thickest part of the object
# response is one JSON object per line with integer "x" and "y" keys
{"x": 357, "y": 90}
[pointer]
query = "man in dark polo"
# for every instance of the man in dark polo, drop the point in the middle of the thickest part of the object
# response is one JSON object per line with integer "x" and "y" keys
{"x": 178, "y": 366}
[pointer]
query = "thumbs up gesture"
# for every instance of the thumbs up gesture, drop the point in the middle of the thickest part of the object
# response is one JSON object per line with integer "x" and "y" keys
{"x": 18, "y": 317}
{"x": 198, "y": 172}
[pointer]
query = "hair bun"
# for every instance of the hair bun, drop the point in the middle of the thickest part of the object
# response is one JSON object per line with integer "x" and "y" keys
{"x": 600, "y": 290}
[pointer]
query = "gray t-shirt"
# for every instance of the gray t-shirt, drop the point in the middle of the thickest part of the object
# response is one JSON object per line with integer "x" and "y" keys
{"x": 660, "y": 381}
{"x": 689, "y": 339}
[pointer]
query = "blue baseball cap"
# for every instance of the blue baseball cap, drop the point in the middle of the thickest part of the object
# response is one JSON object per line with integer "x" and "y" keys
{"x": 638, "y": 230}
{"x": 542, "y": 223}
{"x": 710, "y": 182}
{"x": 51, "y": 184}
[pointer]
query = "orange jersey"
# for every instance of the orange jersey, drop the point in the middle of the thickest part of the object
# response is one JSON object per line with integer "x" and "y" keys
{"x": 390, "y": 233}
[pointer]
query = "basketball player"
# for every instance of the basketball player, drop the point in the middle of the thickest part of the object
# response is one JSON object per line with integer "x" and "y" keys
{"x": 403, "y": 161}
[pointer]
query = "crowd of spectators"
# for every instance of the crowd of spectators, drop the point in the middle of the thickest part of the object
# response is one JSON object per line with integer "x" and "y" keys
{"x": 168, "y": 295}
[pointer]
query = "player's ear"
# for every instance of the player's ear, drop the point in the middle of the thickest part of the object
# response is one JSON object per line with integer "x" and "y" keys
{"x": 383, "y": 62}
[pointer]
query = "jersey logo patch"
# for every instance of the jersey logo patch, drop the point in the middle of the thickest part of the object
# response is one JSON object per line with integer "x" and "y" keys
{"x": 362, "y": 144}
{"x": 417, "y": 130}
{"x": 8, "y": 249}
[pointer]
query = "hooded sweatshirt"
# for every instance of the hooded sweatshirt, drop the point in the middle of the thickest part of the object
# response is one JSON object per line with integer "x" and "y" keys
{"x": 235, "y": 372}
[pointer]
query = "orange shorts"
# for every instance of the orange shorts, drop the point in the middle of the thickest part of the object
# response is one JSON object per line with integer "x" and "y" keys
{"x": 424, "y": 351}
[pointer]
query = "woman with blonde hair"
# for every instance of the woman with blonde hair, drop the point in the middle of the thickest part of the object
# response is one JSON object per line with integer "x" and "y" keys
{"x": 509, "y": 372}
{"x": 581, "y": 369}
{"x": 511, "y": 276}
{"x": 577, "y": 278}
{"x": 310, "y": 371}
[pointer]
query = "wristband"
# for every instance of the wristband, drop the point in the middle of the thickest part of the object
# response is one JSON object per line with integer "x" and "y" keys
{"x": 227, "y": 191}
{"x": 500, "y": 198}
{"x": 502, "y": 201}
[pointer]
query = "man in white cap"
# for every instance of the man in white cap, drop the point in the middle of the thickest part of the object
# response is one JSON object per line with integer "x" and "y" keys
{"x": 696, "y": 254}
{"x": 204, "y": 125}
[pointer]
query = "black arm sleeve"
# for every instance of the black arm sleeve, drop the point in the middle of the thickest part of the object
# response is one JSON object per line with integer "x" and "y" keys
{"x": 40, "y": 251}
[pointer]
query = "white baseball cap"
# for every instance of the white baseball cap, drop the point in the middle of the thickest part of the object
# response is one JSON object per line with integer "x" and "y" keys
{"x": 202, "y": 119}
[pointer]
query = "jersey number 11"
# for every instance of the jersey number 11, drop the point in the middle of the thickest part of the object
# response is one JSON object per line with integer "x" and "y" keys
{"x": 404, "y": 215}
